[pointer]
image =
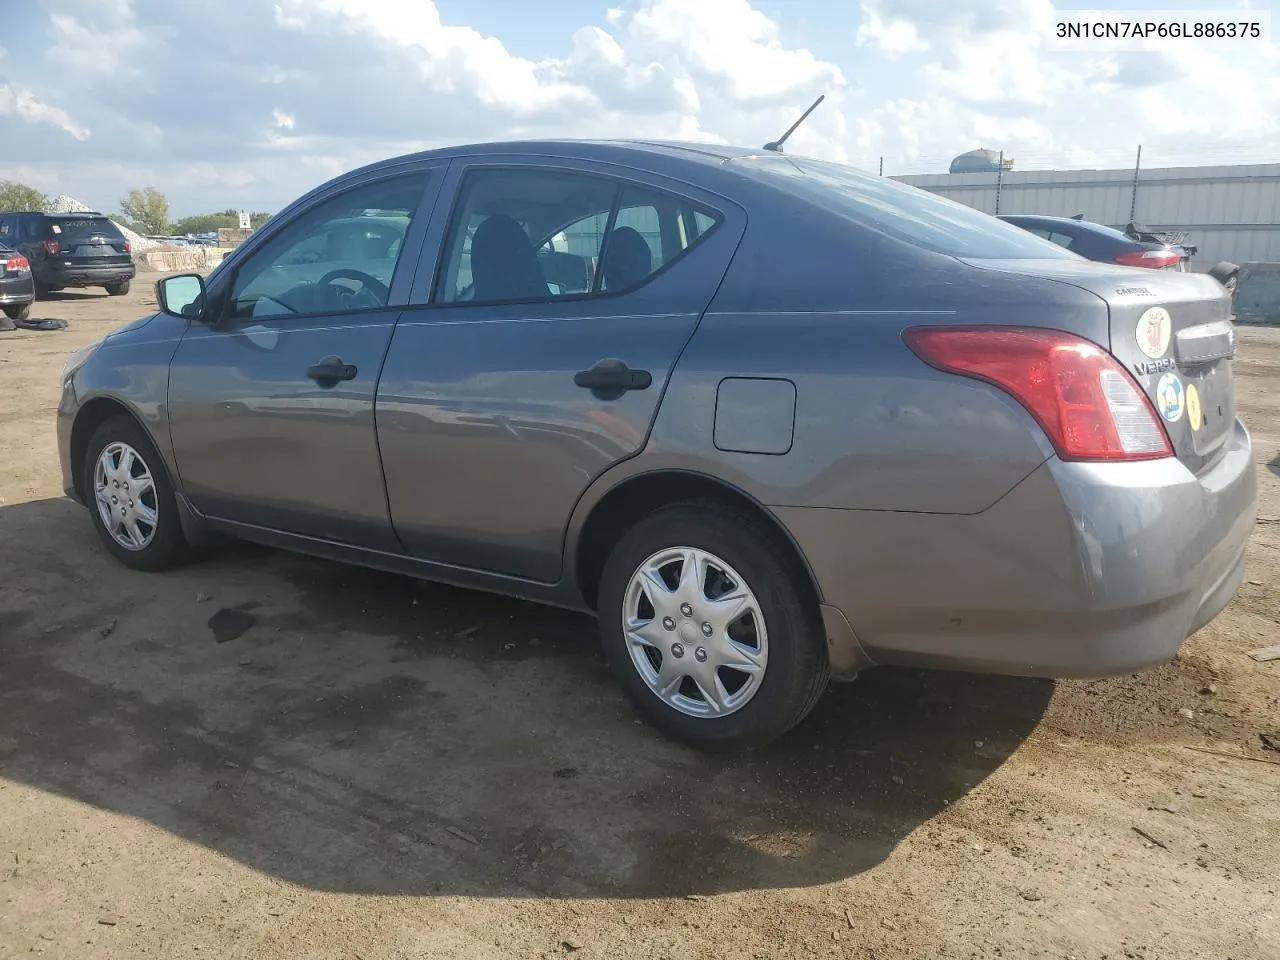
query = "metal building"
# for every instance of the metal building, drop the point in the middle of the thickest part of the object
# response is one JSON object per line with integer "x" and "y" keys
{"x": 1231, "y": 212}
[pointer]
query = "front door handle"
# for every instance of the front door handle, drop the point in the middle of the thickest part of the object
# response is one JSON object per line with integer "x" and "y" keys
{"x": 331, "y": 370}
{"x": 610, "y": 379}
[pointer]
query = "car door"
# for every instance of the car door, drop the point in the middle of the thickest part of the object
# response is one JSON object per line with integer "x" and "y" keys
{"x": 507, "y": 392}
{"x": 271, "y": 406}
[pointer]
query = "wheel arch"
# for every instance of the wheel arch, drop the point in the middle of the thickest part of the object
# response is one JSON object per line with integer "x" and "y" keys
{"x": 627, "y": 501}
{"x": 89, "y": 417}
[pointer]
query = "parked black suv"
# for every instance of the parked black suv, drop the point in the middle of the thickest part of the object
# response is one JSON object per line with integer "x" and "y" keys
{"x": 16, "y": 288}
{"x": 82, "y": 249}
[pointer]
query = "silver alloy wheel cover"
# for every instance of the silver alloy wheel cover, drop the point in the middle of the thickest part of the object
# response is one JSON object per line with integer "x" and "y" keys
{"x": 125, "y": 493}
{"x": 688, "y": 633}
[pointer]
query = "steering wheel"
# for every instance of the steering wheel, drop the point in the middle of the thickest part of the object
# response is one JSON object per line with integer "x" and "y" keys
{"x": 371, "y": 288}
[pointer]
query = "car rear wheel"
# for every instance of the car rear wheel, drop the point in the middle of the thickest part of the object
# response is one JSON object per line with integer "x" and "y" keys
{"x": 709, "y": 629}
{"x": 117, "y": 289}
{"x": 16, "y": 312}
{"x": 130, "y": 498}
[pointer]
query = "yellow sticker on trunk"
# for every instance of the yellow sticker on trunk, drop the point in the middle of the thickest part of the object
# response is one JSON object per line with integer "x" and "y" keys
{"x": 1194, "y": 415}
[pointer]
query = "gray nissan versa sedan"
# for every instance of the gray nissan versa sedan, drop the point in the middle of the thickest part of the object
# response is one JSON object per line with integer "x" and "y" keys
{"x": 769, "y": 418}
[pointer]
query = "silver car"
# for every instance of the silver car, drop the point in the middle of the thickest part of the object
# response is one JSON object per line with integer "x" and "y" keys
{"x": 772, "y": 420}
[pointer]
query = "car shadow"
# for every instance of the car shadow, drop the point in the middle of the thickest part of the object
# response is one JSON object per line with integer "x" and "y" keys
{"x": 71, "y": 296}
{"x": 1274, "y": 465}
{"x": 368, "y": 733}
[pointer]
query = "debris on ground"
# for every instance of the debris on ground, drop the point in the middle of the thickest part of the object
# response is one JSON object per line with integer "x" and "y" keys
{"x": 1208, "y": 690}
{"x": 202, "y": 597}
{"x": 463, "y": 835}
{"x": 229, "y": 623}
{"x": 48, "y": 323}
{"x": 1270, "y": 741}
{"x": 1263, "y": 654}
{"x": 108, "y": 629}
{"x": 1146, "y": 836}
{"x": 463, "y": 634}
{"x": 1186, "y": 714}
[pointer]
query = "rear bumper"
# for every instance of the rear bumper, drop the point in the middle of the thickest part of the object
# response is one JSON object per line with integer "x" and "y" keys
{"x": 1083, "y": 570}
{"x": 16, "y": 290}
{"x": 84, "y": 275}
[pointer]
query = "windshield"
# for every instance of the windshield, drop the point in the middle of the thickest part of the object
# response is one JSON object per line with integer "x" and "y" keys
{"x": 74, "y": 229}
{"x": 914, "y": 216}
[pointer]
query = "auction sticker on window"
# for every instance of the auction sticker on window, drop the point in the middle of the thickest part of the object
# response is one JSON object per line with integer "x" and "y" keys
{"x": 1171, "y": 398}
{"x": 1155, "y": 327}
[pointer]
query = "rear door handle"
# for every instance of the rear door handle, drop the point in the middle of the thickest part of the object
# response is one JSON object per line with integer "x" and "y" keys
{"x": 610, "y": 379}
{"x": 331, "y": 370}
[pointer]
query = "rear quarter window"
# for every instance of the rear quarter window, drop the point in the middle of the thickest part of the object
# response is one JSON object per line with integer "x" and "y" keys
{"x": 908, "y": 214}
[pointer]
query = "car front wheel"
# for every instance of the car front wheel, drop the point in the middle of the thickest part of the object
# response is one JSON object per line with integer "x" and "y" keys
{"x": 130, "y": 498}
{"x": 708, "y": 628}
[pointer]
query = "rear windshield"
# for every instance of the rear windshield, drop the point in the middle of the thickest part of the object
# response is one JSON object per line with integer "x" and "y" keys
{"x": 1105, "y": 231}
{"x": 915, "y": 216}
{"x": 82, "y": 228}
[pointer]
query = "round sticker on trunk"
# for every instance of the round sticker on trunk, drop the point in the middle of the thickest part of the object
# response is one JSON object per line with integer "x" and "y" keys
{"x": 1195, "y": 416}
{"x": 1171, "y": 398}
{"x": 1155, "y": 327}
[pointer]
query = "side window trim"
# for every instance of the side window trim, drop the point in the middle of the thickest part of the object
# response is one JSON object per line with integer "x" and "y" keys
{"x": 472, "y": 166}
{"x": 610, "y": 224}
{"x": 410, "y": 252}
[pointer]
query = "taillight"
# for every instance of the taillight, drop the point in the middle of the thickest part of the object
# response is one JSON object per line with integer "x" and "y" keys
{"x": 1153, "y": 259}
{"x": 51, "y": 247}
{"x": 19, "y": 264}
{"x": 1083, "y": 399}
{"x": 127, "y": 248}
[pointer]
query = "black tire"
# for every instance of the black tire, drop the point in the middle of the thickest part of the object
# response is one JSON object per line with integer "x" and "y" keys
{"x": 1225, "y": 272}
{"x": 167, "y": 547}
{"x": 18, "y": 312}
{"x": 797, "y": 670}
{"x": 117, "y": 289}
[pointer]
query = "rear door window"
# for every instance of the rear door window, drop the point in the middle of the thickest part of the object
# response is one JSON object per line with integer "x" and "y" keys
{"x": 521, "y": 235}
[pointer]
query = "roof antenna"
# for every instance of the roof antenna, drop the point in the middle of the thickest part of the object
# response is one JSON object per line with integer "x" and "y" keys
{"x": 776, "y": 145}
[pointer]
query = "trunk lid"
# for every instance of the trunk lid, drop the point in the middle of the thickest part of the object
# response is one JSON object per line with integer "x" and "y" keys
{"x": 89, "y": 240}
{"x": 1174, "y": 332}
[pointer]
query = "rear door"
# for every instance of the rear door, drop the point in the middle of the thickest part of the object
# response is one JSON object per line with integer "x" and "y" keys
{"x": 536, "y": 352}
{"x": 83, "y": 241}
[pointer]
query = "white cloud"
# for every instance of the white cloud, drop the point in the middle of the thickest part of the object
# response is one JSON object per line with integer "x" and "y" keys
{"x": 255, "y": 108}
{"x": 23, "y": 104}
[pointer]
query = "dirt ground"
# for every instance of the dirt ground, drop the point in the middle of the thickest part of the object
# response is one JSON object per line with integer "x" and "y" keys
{"x": 380, "y": 768}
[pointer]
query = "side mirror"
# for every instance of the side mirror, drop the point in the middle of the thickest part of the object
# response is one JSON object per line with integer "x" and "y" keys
{"x": 182, "y": 296}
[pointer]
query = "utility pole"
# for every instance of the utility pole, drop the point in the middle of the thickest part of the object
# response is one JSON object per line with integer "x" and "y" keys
{"x": 882, "y": 166}
{"x": 1133, "y": 201}
{"x": 999, "y": 181}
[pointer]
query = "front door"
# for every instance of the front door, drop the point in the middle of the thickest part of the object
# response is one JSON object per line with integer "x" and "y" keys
{"x": 538, "y": 357}
{"x": 271, "y": 408}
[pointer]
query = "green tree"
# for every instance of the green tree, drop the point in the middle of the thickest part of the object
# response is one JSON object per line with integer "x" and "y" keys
{"x": 147, "y": 210}
{"x": 17, "y": 197}
{"x": 210, "y": 222}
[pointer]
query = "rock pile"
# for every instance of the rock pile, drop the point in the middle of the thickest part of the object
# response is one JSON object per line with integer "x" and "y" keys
{"x": 64, "y": 204}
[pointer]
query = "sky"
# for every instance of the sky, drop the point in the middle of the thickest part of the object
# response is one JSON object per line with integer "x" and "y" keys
{"x": 248, "y": 103}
